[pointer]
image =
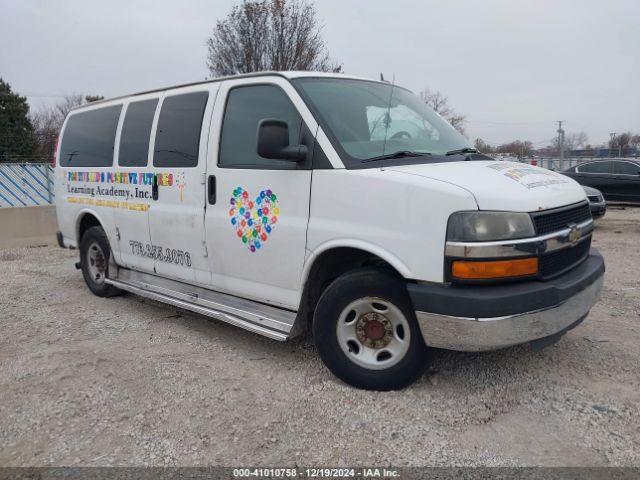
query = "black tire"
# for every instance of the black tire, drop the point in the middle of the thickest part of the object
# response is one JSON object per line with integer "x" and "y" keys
{"x": 342, "y": 292}
{"x": 95, "y": 237}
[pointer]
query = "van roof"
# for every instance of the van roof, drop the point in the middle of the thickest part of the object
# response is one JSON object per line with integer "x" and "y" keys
{"x": 290, "y": 74}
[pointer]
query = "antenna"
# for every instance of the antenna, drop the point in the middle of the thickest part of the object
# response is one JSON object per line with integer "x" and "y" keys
{"x": 387, "y": 120}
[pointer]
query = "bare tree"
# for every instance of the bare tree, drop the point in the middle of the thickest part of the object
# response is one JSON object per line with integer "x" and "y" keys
{"x": 582, "y": 139}
{"x": 518, "y": 148}
{"x": 46, "y": 129}
{"x": 51, "y": 117}
{"x": 573, "y": 141}
{"x": 440, "y": 103}
{"x": 621, "y": 141}
{"x": 554, "y": 147}
{"x": 482, "y": 146}
{"x": 268, "y": 35}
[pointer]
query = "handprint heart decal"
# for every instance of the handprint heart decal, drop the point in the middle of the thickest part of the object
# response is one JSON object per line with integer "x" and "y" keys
{"x": 253, "y": 218}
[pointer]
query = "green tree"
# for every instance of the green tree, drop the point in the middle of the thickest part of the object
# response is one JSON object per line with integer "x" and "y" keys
{"x": 17, "y": 137}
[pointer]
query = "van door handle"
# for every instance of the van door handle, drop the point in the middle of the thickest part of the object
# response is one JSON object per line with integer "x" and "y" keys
{"x": 154, "y": 188}
{"x": 212, "y": 189}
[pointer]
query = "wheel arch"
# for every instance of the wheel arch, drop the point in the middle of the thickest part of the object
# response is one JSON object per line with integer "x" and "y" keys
{"x": 333, "y": 259}
{"x": 351, "y": 244}
{"x": 86, "y": 219}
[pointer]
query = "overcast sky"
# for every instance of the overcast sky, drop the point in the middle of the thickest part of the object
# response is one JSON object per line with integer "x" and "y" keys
{"x": 512, "y": 67}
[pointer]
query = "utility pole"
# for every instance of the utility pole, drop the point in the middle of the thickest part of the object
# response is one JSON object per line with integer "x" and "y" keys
{"x": 561, "y": 144}
{"x": 613, "y": 137}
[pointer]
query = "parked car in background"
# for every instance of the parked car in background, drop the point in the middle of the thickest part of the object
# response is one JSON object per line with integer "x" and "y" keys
{"x": 597, "y": 203}
{"x": 617, "y": 178}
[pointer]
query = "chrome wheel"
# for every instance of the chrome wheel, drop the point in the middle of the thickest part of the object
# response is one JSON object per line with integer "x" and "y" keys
{"x": 373, "y": 333}
{"x": 96, "y": 263}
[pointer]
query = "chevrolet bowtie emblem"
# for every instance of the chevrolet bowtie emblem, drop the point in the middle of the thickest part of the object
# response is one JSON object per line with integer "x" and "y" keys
{"x": 574, "y": 234}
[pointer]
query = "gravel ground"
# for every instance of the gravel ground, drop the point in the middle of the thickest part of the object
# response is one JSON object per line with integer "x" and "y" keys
{"x": 127, "y": 381}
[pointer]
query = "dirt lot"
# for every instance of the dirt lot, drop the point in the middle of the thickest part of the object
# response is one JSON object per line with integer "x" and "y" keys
{"x": 126, "y": 381}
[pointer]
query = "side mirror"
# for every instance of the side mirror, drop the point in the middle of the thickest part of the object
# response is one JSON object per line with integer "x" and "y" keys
{"x": 273, "y": 142}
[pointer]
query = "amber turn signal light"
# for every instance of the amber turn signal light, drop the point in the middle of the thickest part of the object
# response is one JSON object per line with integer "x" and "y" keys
{"x": 481, "y": 270}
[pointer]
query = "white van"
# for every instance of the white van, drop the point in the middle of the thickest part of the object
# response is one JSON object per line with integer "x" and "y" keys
{"x": 292, "y": 201}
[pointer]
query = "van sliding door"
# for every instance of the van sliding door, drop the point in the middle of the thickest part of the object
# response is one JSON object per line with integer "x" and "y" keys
{"x": 133, "y": 171}
{"x": 176, "y": 216}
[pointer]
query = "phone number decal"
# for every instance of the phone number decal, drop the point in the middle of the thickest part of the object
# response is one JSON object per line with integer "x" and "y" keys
{"x": 167, "y": 255}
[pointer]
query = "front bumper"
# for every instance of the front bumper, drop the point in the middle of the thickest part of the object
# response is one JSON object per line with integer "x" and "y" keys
{"x": 476, "y": 318}
{"x": 598, "y": 209}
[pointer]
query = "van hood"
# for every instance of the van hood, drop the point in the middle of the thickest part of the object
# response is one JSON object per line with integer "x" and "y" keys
{"x": 498, "y": 185}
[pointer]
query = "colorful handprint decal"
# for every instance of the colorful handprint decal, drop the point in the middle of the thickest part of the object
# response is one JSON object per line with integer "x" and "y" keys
{"x": 253, "y": 218}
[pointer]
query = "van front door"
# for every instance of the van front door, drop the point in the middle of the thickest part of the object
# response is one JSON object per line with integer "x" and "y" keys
{"x": 256, "y": 219}
{"x": 176, "y": 216}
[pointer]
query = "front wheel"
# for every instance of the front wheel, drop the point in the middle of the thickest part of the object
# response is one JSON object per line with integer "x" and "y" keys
{"x": 366, "y": 332}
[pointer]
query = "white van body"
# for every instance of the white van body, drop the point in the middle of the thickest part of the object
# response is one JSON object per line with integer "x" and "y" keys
{"x": 257, "y": 245}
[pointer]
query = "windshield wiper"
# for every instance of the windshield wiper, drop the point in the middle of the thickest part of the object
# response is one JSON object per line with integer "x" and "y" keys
{"x": 461, "y": 150}
{"x": 399, "y": 154}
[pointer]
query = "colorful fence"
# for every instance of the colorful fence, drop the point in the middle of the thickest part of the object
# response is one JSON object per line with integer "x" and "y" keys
{"x": 26, "y": 184}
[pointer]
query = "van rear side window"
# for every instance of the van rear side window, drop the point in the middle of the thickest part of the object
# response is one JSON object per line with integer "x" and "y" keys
{"x": 178, "y": 131}
{"x": 136, "y": 132}
{"x": 89, "y": 137}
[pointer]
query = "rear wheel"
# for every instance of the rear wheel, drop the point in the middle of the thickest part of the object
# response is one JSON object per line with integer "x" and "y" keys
{"x": 365, "y": 330}
{"x": 94, "y": 261}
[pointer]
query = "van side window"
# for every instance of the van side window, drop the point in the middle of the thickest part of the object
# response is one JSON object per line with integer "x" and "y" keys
{"x": 136, "y": 132}
{"x": 89, "y": 138}
{"x": 246, "y": 106}
{"x": 178, "y": 133}
{"x": 595, "y": 167}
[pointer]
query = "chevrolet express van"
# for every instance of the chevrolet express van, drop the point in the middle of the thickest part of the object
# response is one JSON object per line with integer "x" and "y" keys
{"x": 283, "y": 202}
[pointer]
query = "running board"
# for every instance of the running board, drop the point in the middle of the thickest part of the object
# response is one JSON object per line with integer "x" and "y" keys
{"x": 272, "y": 322}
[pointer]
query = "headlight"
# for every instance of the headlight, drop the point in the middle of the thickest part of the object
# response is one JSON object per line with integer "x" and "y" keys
{"x": 488, "y": 226}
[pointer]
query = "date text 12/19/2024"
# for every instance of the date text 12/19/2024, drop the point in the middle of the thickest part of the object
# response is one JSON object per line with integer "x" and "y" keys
{"x": 309, "y": 472}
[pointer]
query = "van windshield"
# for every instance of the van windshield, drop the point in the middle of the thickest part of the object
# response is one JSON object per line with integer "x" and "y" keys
{"x": 366, "y": 119}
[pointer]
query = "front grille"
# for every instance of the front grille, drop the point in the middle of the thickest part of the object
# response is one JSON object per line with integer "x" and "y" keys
{"x": 557, "y": 262}
{"x": 594, "y": 198}
{"x": 558, "y": 219}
